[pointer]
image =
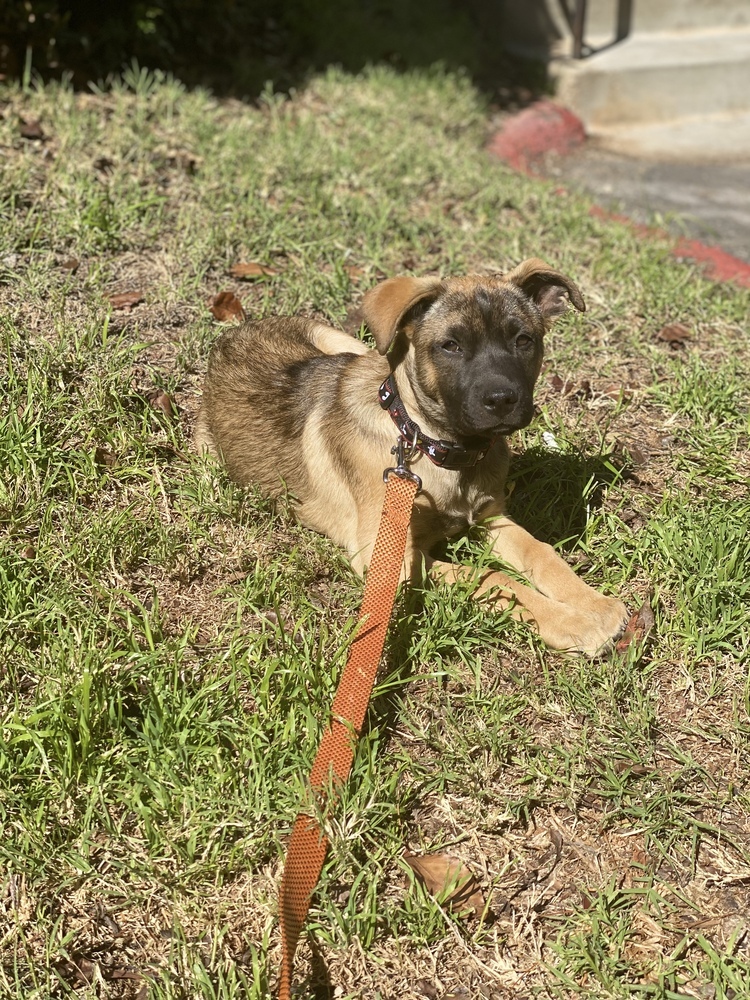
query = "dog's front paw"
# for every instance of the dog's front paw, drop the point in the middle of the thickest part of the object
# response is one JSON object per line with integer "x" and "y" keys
{"x": 610, "y": 618}
{"x": 591, "y": 630}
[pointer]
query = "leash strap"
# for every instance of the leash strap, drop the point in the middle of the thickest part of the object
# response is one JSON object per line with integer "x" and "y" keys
{"x": 308, "y": 843}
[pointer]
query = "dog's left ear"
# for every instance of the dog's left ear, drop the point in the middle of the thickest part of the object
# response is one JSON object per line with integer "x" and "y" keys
{"x": 546, "y": 287}
{"x": 387, "y": 306}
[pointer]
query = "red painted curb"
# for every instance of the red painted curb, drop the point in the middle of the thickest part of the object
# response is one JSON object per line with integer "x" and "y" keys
{"x": 545, "y": 127}
{"x": 542, "y": 128}
{"x": 719, "y": 265}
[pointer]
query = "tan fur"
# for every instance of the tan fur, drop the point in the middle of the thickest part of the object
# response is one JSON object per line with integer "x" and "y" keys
{"x": 329, "y": 340}
{"x": 291, "y": 405}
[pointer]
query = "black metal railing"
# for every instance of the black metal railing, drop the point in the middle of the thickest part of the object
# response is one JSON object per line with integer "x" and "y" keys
{"x": 575, "y": 15}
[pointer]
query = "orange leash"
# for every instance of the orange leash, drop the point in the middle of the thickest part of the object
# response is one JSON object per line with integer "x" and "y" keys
{"x": 308, "y": 843}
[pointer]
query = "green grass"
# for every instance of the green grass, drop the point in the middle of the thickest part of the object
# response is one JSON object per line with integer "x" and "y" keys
{"x": 171, "y": 643}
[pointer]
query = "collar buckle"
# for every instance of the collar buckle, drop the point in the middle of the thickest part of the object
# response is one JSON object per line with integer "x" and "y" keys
{"x": 402, "y": 460}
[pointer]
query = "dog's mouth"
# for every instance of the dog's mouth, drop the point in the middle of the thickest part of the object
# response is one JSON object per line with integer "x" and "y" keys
{"x": 473, "y": 436}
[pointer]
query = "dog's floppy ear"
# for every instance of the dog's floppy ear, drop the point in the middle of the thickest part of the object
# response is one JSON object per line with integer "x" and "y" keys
{"x": 386, "y": 306}
{"x": 546, "y": 286}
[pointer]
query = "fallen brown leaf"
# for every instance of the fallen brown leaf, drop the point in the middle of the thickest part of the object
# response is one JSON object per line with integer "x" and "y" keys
{"x": 674, "y": 334}
{"x": 638, "y": 456}
{"x": 159, "y": 400}
{"x": 441, "y": 874}
{"x": 618, "y": 390}
{"x": 71, "y": 264}
{"x": 629, "y": 451}
{"x": 125, "y": 300}
{"x": 80, "y": 970}
{"x": 104, "y": 163}
{"x": 556, "y": 839}
{"x": 120, "y": 973}
{"x": 105, "y": 458}
{"x": 354, "y": 320}
{"x": 31, "y": 129}
{"x": 354, "y": 272}
{"x": 252, "y": 270}
{"x": 226, "y": 306}
{"x": 639, "y": 626}
{"x": 564, "y": 386}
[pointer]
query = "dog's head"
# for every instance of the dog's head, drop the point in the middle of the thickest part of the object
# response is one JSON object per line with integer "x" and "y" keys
{"x": 471, "y": 347}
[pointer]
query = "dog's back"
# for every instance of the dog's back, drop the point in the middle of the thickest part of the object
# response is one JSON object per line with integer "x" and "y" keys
{"x": 262, "y": 380}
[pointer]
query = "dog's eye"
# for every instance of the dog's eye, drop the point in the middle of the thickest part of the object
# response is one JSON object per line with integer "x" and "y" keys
{"x": 451, "y": 346}
{"x": 524, "y": 341}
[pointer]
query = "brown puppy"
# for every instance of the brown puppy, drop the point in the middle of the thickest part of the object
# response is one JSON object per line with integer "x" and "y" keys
{"x": 291, "y": 404}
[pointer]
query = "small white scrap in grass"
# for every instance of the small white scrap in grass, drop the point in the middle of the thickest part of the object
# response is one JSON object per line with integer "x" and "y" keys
{"x": 550, "y": 441}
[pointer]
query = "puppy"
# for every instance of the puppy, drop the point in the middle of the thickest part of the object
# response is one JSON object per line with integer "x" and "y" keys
{"x": 294, "y": 405}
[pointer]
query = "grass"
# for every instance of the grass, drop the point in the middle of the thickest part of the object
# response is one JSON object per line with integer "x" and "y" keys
{"x": 171, "y": 643}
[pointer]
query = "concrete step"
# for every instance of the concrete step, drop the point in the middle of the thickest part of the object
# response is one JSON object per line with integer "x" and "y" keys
{"x": 721, "y": 138}
{"x": 666, "y": 15}
{"x": 536, "y": 28}
{"x": 658, "y": 77}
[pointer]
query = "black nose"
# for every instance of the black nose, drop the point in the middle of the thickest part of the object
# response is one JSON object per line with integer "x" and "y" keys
{"x": 500, "y": 400}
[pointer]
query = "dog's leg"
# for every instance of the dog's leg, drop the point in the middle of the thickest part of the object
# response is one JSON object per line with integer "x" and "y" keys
{"x": 578, "y": 616}
{"x": 569, "y": 614}
{"x": 203, "y": 439}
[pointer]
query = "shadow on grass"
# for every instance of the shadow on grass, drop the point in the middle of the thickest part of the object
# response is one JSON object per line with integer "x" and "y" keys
{"x": 555, "y": 492}
{"x": 320, "y": 980}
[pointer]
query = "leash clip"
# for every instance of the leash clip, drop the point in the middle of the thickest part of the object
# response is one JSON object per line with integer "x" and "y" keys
{"x": 403, "y": 458}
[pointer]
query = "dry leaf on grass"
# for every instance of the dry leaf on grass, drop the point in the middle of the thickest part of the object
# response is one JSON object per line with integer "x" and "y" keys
{"x": 80, "y": 971}
{"x": 556, "y": 839}
{"x": 621, "y": 765}
{"x": 617, "y": 390}
{"x": 560, "y": 385}
{"x": 125, "y": 300}
{"x": 104, "y": 164}
{"x": 354, "y": 320}
{"x": 639, "y": 626}
{"x": 568, "y": 388}
{"x": 226, "y": 306}
{"x": 674, "y": 334}
{"x": 159, "y": 400}
{"x": 71, "y": 264}
{"x": 354, "y": 272}
{"x": 638, "y": 456}
{"x": 83, "y": 970}
{"x": 252, "y": 270}
{"x": 105, "y": 458}
{"x": 31, "y": 129}
{"x": 449, "y": 879}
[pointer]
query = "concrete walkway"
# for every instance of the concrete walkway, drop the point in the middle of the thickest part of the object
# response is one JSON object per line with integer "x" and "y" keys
{"x": 708, "y": 201}
{"x": 704, "y": 202}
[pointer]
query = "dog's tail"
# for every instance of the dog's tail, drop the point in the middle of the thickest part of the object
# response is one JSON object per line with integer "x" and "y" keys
{"x": 329, "y": 340}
